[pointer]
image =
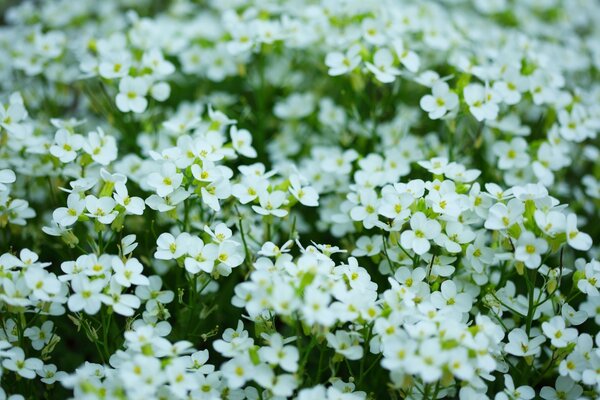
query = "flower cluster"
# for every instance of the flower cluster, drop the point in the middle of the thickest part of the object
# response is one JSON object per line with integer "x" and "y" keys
{"x": 340, "y": 200}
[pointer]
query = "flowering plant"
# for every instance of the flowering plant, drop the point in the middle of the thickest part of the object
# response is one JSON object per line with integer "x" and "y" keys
{"x": 338, "y": 199}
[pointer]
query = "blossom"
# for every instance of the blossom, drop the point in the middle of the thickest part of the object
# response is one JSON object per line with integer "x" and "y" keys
{"x": 513, "y": 154}
{"x": 100, "y": 208}
{"x": 67, "y": 216}
{"x": 242, "y": 142}
{"x": 340, "y": 63}
{"x": 66, "y": 145}
{"x": 170, "y": 247}
{"x": 128, "y": 273}
{"x": 382, "y": 66}
{"x": 576, "y": 239}
{"x": 558, "y": 333}
{"x": 520, "y": 345}
{"x": 132, "y": 92}
{"x": 271, "y": 204}
{"x": 86, "y": 294}
{"x": 166, "y": 181}
{"x": 360, "y": 188}
{"x": 529, "y": 249}
{"x": 346, "y": 344}
{"x": 17, "y": 362}
{"x": 482, "y": 102}
{"x": 6, "y": 176}
{"x": 422, "y": 230}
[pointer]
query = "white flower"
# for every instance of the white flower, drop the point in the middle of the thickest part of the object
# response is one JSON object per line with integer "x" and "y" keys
{"x": 366, "y": 210}
{"x": 66, "y": 145}
{"x": 566, "y": 389}
{"x": 39, "y": 336}
{"x": 17, "y": 362}
{"x": 132, "y": 92}
{"x": 154, "y": 59}
{"x": 220, "y": 234}
{"x": 278, "y": 354}
{"x": 523, "y": 392}
{"x": 238, "y": 371}
{"x": 315, "y": 308}
{"x": 576, "y": 239}
{"x": 133, "y": 205}
{"x": 67, "y": 216}
{"x": 241, "y": 140}
{"x": 571, "y": 316}
{"x": 503, "y": 216}
{"x": 122, "y": 304}
{"x": 382, "y": 66}
{"x": 511, "y": 86}
{"x": 511, "y": 155}
{"x": 271, "y": 203}
{"x": 340, "y": 63}
{"x": 128, "y": 273}
{"x": 590, "y": 282}
{"x": 529, "y": 248}
{"x": 128, "y": 244}
{"x": 368, "y": 246}
{"x": 117, "y": 65}
{"x": 101, "y": 147}
{"x": 558, "y": 333}
{"x": 6, "y": 176}
{"x": 170, "y": 248}
{"x": 166, "y": 181}
{"x": 202, "y": 256}
{"x": 520, "y": 345}
{"x": 441, "y": 101}
{"x": 550, "y": 223}
{"x": 50, "y": 374}
{"x": 305, "y": 195}
{"x": 87, "y": 294}
{"x": 448, "y": 297}
{"x": 422, "y": 230}
{"x": 101, "y": 208}
{"x": 482, "y": 101}
{"x": 346, "y": 344}
{"x": 408, "y": 58}
{"x": 43, "y": 284}
{"x": 231, "y": 254}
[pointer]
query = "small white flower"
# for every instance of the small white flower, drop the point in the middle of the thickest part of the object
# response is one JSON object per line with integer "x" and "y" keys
{"x": 440, "y": 101}
{"x": 67, "y": 216}
{"x": 482, "y": 101}
{"x": 271, "y": 203}
{"x": 558, "y": 333}
{"x": 340, "y": 63}
{"x": 166, "y": 181}
{"x": 422, "y": 230}
{"x": 132, "y": 92}
{"x": 306, "y": 195}
{"x": 133, "y": 205}
{"x": 241, "y": 140}
{"x": 87, "y": 294}
{"x": 277, "y": 353}
{"x": 346, "y": 344}
{"x": 382, "y": 66}
{"x": 17, "y": 362}
{"x": 520, "y": 345}
{"x": 6, "y": 176}
{"x": 170, "y": 248}
{"x": 101, "y": 208}
{"x": 129, "y": 273}
{"x": 576, "y": 239}
{"x": 529, "y": 249}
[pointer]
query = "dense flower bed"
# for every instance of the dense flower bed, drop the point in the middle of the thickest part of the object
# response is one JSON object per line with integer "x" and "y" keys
{"x": 338, "y": 199}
